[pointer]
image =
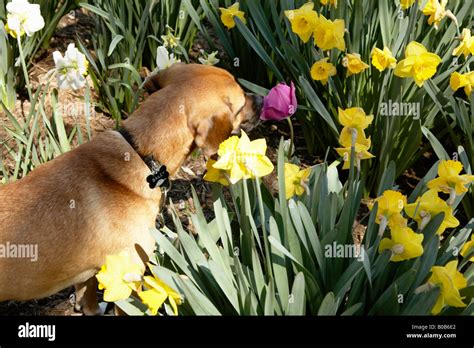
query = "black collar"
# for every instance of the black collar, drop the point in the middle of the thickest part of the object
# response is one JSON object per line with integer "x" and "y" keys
{"x": 159, "y": 175}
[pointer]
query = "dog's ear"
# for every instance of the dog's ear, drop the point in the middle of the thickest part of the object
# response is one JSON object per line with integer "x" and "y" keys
{"x": 164, "y": 77}
{"x": 212, "y": 131}
{"x": 152, "y": 84}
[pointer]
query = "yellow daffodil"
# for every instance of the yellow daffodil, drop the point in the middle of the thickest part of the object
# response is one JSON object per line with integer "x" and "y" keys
{"x": 296, "y": 180}
{"x": 404, "y": 244}
{"x": 449, "y": 180}
{"x": 157, "y": 294}
{"x": 450, "y": 280}
{"x": 468, "y": 248}
{"x": 322, "y": 70}
{"x": 354, "y": 118}
{"x": 329, "y": 34}
{"x": 429, "y": 205}
{"x": 361, "y": 153}
{"x": 436, "y": 11}
{"x": 353, "y": 63}
{"x": 243, "y": 159}
{"x": 228, "y": 14}
{"x": 331, "y": 2}
{"x": 390, "y": 206}
{"x": 349, "y": 136}
{"x": 119, "y": 277}
{"x": 383, "y": 59}
{"x": 215, "y": 175}
{"x": 406, "y": 4}
{"x": 303, "y": 21}
{"x": 418, "y": 63}
{"x": 466, "y": 44}
{"x": 458, "y": 80}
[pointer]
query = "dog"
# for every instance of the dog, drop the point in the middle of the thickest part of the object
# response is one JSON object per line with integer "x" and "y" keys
{"x": 96, "y": 201}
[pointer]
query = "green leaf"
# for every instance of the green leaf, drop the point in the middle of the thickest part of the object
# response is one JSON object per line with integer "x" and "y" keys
{"x": 437, "y": 147}
{"x": 113, "y": 44}
{"x": 297, "y": 299}
{"x": 328, "y": 305}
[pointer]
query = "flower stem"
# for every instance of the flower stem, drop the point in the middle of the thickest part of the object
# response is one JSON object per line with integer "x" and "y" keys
{"x": 25, "y": 71}
{"x": 264, "y": 232}
{"x": 292, "y": 138}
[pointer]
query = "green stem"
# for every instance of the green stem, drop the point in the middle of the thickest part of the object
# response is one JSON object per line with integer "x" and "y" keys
{"x": 25, "y": 71}
{"x": 292, "y": 137}
{"x": 264, "y": 232}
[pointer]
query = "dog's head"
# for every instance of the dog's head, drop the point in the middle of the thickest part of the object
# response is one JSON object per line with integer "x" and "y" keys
{"x": 214, "y": 104}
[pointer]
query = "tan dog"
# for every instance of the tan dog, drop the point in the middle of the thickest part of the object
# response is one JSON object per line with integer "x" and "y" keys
{"x": 94, "y": 200}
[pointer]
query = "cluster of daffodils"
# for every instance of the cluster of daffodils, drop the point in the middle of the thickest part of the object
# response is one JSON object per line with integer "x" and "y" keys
{"x": 418, "y": 63}
{"x": 121, "y": 276}
{"x": 404, "y": 243}
{"x": 239, "y": 158}
{"x": 352, "y": 137}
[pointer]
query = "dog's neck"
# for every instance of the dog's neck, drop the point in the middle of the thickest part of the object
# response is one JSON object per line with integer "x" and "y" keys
{"x": 159, "y": 140}
{"x": 158, "y": 173}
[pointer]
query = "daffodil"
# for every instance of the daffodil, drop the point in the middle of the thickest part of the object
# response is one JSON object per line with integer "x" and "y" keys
{"x": 405, "y": 244}
{"x": 418, "y": 63}
{"x": 329, "y": 34}
{"x": 169, "y": 40}
{"x": 390, "y": 206}
{"x": 468, "y": 248}
{"x": 466, "y": 44}
{"x": 322, "y": 70}
{"x": 354, "y": 121}
{"x": 449, "y": 180}
{"x": 209, "y": 58}
{"x": 216, "y": 175}
{"x": 228, "y": 14}
{"x": 23, "y": 18}
{"x": 436, "y": 11}
{"x": 296, "y": 180}
{"x": 466, "y": 80}
{"x": 164, "y": 59}
{"x": 383, "y": 59}
{"x": 326, "y": 2}
{"x": 157, "y": 294}
{"x": 71, "y": 69}
{"x": 243, "y": 159}
{"x": 350, "y": 136}
{"x": 361, "y": 153}
{"x": 354, "y": 64}
{"x": 354, "y": 118}
{"x": 429, "y": 205}
{"x": 119, "y": 277}
{"x": 450, "y": 280}
{"x": 303, "y": 20}
{"x": 406, "y": 4}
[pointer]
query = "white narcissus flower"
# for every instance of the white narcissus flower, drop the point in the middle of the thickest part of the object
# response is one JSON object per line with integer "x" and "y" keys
{"x": 209, "y": 58}
{"x": 164, "y": 59}
{"x": 23, "y": 18}
{"x": 70, "y": 69}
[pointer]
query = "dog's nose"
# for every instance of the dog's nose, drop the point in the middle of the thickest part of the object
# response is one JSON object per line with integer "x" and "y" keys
{"x": 257, "y": 103}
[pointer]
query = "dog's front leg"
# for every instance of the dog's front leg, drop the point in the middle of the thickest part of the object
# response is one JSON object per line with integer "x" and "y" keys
{"x": 86, "y": 297}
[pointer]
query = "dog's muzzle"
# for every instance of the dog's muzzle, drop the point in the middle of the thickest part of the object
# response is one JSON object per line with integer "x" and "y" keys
{"x": 257, "y": 103}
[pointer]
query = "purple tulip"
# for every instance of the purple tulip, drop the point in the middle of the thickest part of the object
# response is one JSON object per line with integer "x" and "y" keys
{"x": 280, "y": 103}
